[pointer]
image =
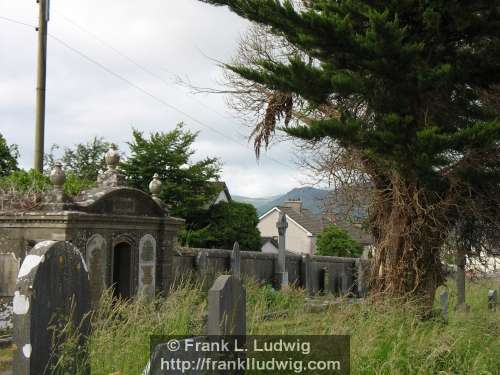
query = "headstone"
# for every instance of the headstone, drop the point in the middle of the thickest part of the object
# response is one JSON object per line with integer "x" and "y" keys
{"x": 96, "y": 255}
{"x": 492, "y": 300}
{"x": 444, "y": 299}
{"x": 227, "y": 307}
{"x": 281, "y": 271}
{"x": 362, "y": 268}
{"x": 345, "y": 286}
{"x": 307, "y": 274}
{"x": 52, "y": 288}
{"x": 201, "y": 263}
{"x": 9, "y": 267}
{"x": 236, "y": 261}
{"x": 323, "y": 280}
{"x": 147, "y": 266}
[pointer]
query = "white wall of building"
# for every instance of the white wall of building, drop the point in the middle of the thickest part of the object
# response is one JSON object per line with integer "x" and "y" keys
{"x": 269, "y": 248}
{"x": 298, "y": 240}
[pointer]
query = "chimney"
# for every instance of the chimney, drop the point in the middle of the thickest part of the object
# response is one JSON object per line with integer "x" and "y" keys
{"x": 294, "y": 204}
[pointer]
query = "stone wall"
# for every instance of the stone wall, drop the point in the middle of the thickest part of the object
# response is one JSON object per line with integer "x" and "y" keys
{"x": 328, "y": 274}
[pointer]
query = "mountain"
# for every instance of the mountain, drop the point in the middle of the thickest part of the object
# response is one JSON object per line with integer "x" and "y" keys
{"x": 311, "y": 198}
{"x": 256, "y": 202}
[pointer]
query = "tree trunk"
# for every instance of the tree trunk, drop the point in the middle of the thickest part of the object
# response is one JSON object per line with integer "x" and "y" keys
{"x": 408, "y": 227}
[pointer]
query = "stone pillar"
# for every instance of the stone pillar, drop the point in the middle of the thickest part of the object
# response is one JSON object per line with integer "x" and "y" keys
{"x": 306, "y": 274}
{"x": 444, "y": 299}
{"x": 165, "y": 254}
{"x": 460, "y": 262}
{"x": 147, "y": 261}
{"x": 281, "y": 273}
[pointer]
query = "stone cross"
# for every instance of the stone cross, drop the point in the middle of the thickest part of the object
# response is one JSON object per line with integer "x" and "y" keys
{"x": 492, "y": 300}
{"x": 443, "y": 299}
{"x": 236, "y": 261}
{"x": 281, "y": 272}
{"x": 227, "y": 307}
{"x": 52, "y": 289}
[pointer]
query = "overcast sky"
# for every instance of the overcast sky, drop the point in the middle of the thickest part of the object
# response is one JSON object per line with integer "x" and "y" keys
{"x": 169, "y": 38}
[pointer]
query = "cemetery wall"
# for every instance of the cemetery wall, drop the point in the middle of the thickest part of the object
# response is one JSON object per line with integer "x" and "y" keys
{"x": 329, "y": 274}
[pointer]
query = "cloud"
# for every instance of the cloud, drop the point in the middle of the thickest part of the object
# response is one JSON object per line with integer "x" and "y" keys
{"x": 168, "y": 38}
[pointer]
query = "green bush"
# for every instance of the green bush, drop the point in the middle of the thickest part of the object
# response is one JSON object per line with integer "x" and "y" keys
{"x": 28, "y": 184}
{"x": 335, "y": 241}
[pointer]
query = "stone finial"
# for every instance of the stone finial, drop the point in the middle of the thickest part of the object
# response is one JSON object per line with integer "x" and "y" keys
{"x": 57, "y": 176}
{"x": 155, "y": 186}
{"x": 112, "y": 157}
{"x": 111, "y": 177}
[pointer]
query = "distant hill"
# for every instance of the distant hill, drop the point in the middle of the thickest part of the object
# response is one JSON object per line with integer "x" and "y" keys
{"x": 311, "y": 198}
{"x": 256, "y": 202}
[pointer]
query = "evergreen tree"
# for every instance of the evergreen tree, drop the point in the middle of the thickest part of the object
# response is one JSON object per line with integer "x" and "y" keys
{"x": 415, "y": 86}
{"x": 8, "y": 157}
{"x": 187, "y": 186}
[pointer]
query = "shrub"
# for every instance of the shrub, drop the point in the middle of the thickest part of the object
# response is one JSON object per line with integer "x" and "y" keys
{"x": 335, "y": 241}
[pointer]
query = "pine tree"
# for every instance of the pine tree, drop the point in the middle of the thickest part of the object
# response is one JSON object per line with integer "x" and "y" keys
{"x": 416, "y": 87}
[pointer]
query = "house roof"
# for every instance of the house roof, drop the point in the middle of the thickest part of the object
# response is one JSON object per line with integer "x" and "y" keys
{"x": 305, "y": 218}
{"x": 221, "y": 185}
{"x": 264, "y": 240}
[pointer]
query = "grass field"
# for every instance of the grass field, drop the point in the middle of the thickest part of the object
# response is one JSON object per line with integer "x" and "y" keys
{"x": 386, "y": 338}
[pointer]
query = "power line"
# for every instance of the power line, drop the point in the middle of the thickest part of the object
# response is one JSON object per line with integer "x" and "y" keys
{"x": 141, "y": 89}
{"x": 17, "y": 22}
{"x": 156, "y": 98}
{"x": 134, "y": 62}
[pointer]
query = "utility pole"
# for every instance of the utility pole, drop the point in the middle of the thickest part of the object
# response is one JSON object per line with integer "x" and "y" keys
{"x": 41, "y": 83}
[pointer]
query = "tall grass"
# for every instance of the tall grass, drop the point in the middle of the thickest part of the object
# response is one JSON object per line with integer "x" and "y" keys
{"x": 386, "y": 337}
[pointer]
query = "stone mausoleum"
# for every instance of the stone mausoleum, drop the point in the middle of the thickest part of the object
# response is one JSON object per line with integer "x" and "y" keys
{"x": 126, "y": 236}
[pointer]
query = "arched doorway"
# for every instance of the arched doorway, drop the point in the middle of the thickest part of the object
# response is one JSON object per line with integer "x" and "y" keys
{"x": 122, "y": 266}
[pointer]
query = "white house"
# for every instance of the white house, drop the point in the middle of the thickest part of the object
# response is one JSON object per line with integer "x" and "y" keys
{"x": 222, "y": 196}
{"x": 303, "y": 227}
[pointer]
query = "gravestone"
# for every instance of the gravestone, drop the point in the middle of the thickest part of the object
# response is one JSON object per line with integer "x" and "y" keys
{"x": 227, "y": 307}
{"x": 96, "y": 251}
{"x": 444, "y": 300}
{"x": 9, "y": 267}
{"x": 201, "y": 263}
{"x": 281, "y": 273}
{"x": 362, "y": 267}
{"x": 492, "y": 300}
{"x": 52, "y": 288}
{"x": 236, "y": 261}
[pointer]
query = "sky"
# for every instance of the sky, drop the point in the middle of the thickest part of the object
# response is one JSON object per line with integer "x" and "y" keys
{"x": 113, "y": 66}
